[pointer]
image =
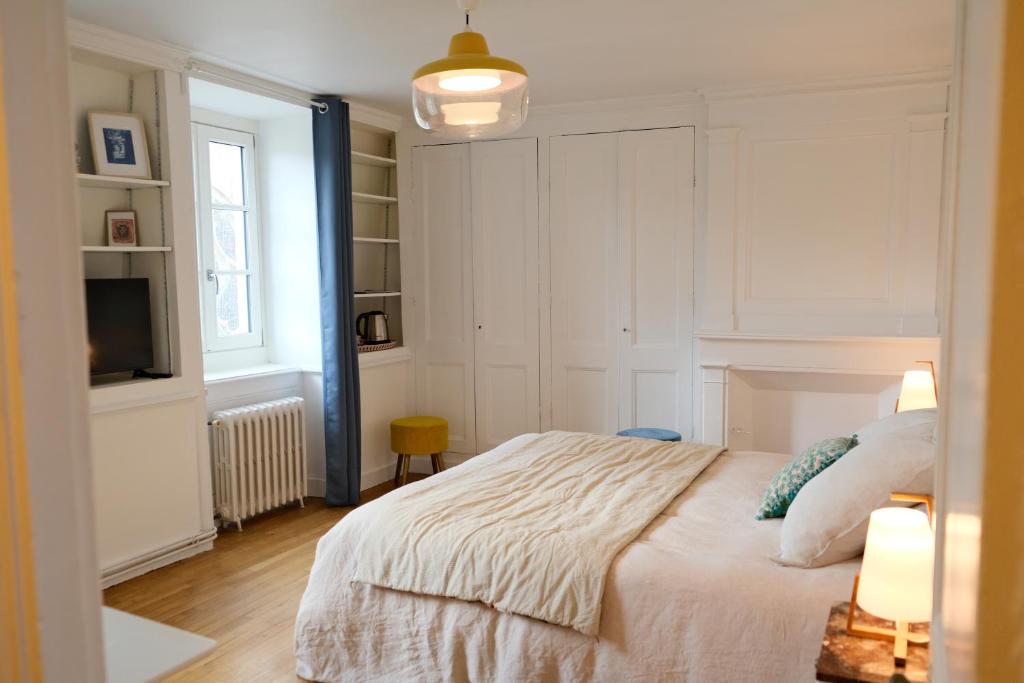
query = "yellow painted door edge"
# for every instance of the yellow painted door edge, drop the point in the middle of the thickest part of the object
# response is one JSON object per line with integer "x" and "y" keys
{"x": 19, "y": 637}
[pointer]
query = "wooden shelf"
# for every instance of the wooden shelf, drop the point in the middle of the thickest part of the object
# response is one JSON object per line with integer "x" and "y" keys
{"x": 373, "y": 160}
{"x": 114, "y": 183}
{"x": 123, "y": 250}
{"x": 375, "y": 295}
{"x": 373, "y": 198}
{"x": 374, "y": 240}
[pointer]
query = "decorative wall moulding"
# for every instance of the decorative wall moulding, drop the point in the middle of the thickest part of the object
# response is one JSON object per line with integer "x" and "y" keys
{"x": 920, "y": 123}
{"x": 723, "y": 136}
{"x": 673, "y": 101}
{"x": 732, "y": 92}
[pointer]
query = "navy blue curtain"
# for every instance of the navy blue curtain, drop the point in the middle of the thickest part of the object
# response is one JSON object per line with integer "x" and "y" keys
{"x": 332, "y": 148}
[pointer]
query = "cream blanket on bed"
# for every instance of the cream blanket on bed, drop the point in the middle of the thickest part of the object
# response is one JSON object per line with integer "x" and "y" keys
{"x": 533, "y": 534}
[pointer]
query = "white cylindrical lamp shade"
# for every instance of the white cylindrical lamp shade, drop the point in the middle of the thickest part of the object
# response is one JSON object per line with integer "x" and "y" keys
{"x": 896, "y": 573}
{"x": 918, "y": 391}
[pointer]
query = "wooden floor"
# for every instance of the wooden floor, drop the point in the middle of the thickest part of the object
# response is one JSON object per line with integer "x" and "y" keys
{"x": 244, "y": 593}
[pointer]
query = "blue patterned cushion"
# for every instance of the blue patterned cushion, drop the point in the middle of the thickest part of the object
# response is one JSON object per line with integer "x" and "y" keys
{"x": 788, "y": 481}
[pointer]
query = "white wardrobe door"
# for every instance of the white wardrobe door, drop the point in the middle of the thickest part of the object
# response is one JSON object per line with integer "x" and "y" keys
{"x": 505, "y": 289}
{"x": 443, "y": 307}
{"x": 584, "y": 312}
{"x": 656, "y": 270}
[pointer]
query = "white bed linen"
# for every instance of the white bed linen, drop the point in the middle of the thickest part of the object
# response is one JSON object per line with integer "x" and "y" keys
{"x": 695, "y": 597}
{"x": 532, "y": 532}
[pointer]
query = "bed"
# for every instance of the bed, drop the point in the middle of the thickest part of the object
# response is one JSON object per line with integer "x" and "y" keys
{"x": 695, "y": 597}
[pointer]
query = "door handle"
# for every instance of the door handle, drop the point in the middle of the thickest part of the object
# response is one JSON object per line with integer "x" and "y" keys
{"x": 212, "y": 277}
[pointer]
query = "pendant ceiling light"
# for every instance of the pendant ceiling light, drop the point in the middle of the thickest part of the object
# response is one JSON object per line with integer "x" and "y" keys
{"x": 470, "y": 93}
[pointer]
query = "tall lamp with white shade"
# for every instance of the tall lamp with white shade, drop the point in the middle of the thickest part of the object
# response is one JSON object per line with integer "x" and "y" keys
{"x": 895, "y": 580}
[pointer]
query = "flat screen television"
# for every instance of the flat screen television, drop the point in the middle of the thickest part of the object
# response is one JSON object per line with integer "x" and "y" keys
{"x": 120, "y": 328}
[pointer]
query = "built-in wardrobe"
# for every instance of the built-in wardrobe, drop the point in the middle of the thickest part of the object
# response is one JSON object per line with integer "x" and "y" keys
{"x": 614, "y": 314}
{"x": 476, "y": 308}
{"x": 621, "y": 224}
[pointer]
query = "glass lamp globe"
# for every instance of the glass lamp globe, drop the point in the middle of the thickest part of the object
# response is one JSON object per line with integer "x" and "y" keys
{"x": 470, "y": 93}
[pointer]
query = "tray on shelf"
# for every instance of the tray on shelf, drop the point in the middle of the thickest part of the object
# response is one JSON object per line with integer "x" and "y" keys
{"x": 370, "y": 348}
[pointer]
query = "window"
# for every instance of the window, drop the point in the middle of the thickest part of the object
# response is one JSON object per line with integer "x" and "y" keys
{"x": 228, "y": 238}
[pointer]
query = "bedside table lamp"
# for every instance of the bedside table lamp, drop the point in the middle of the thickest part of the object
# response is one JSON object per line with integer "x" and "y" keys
{"x": 919, "y": 389}
{"x": 895, "y": 580}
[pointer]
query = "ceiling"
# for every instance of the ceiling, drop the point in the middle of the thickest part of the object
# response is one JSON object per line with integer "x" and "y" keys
{"x": 575, "y": 50}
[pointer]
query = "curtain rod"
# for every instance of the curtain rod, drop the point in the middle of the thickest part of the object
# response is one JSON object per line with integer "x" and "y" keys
{"x": 196, "y": 68}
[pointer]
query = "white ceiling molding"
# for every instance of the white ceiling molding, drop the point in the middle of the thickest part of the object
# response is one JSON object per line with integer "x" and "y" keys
{"x": 672, "y": 101}
{"x": 847, "y": 84}
{"x": 157, "y": 55}
{"x": 125, "y": 47}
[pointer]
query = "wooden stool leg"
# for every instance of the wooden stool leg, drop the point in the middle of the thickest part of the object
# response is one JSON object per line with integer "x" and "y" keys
{"x": 433, "y": 463}
{"x": 405, "y": 469}
{"x": 439, "y": 466}
{"x": 398, "y": 471}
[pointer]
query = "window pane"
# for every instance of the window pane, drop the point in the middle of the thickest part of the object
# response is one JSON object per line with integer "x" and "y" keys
{"x": 226, "y": 174}
{"x": 234, "y": 315}
{"x": 229, "y": 239}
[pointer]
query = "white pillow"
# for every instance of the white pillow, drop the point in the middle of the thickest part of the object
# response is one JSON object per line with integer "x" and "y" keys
{"x": 828, "y": 520}
{"x": 907, "y": 418}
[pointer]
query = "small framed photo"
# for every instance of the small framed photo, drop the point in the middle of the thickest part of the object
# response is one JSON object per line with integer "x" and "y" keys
{"x": 119, "y": 144}
{"x": 122, "y": 229}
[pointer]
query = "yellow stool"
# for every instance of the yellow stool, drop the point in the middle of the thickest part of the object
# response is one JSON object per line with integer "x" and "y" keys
{"x": 418, "y": 435}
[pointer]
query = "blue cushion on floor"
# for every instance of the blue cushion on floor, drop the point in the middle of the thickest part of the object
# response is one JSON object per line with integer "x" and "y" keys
{"x": 652, "y": 433}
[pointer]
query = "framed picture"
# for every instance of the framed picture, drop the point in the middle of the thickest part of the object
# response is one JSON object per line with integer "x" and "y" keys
{"x": 119, "y": 144}
{"x": 122, "y": 229}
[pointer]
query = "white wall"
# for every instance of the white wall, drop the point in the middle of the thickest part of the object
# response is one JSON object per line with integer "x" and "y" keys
{"x": 290, "y": 256}
{"x": 965, "y": 361}
{"x": 824, "y": 211}
{"x": 51, "y": 319}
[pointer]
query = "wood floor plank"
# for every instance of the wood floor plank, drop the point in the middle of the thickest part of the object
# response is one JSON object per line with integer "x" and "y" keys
{"x": 244, "y": 593}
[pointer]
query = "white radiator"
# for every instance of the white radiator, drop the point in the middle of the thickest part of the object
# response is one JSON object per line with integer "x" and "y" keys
{"x": 259, "y": 458}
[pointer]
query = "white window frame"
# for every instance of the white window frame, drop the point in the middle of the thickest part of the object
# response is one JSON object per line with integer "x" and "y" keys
{"x": 202, "y": 135}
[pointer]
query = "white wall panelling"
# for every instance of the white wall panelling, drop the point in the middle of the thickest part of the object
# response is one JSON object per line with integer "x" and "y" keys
{"x": 477, "y": 348}
{"x": 622, "y": 215}
{"x": 824, "y": 212}
{"x": 771, "y": 163}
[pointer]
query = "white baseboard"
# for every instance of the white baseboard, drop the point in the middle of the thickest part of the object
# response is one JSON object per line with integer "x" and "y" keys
{"x": 316, "y": 488}
{"x": 161, "y": 557}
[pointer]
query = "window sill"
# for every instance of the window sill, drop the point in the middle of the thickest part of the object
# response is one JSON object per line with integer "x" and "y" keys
{"x": 266, "y": 370}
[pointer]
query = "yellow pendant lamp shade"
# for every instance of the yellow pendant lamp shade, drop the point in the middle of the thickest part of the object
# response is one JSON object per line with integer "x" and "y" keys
{"x": 470, "y": 93}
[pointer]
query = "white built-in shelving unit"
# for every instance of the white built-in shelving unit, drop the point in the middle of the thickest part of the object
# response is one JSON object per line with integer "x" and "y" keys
{"x": 377, "y": 239}
{"x": 149, "y": 457}
{"x": 102, "y": 83}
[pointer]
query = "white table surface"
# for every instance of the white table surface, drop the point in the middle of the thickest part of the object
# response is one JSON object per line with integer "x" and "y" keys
{"x": 140, "y": 650}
